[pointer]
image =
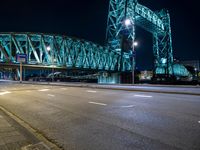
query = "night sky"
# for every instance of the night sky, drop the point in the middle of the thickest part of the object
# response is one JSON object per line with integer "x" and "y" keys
{"x": 87, "y": 19}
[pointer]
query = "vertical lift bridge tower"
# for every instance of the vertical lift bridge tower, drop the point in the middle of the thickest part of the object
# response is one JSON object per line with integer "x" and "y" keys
{"x": 157, "y": 23}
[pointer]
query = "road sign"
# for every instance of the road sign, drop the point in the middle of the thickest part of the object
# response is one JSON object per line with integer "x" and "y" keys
{"x": 21, "y": 58}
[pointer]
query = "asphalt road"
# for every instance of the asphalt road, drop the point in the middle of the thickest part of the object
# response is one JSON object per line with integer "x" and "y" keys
{"x": 100, "y": 119}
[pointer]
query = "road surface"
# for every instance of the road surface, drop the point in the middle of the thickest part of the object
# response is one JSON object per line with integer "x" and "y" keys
{"x": 102, "y": 119}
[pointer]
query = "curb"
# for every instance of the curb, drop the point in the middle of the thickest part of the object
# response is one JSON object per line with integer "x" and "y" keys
{"x": 39, "y": 135}
{"x": 113, "y": 88}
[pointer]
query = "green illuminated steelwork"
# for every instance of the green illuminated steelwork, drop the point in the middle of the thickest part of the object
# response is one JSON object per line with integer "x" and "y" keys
{"x": 157, "y": 23}
{"x": 76, "y": 53}
{"x": 64, "y": 51}
{"x": 175, "y": 69}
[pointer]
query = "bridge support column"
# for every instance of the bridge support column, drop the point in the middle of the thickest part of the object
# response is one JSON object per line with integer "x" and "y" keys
{"x": 109, "y": 78}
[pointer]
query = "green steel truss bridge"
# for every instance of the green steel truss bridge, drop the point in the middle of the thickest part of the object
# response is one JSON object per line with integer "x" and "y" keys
{"x": 63, "y": 51}
{"x": 60, "y": 51}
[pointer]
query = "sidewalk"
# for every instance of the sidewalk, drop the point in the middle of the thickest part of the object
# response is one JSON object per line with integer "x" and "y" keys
{"x": 10, "y": 137}
{"x": 13, "y": 136}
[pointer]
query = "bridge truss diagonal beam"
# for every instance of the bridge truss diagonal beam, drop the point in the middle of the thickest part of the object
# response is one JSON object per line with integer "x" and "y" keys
{"x": 64, "y": 51}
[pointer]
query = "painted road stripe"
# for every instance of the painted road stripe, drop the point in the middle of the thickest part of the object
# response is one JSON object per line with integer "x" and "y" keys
{"x": 63, "y": 88}
{"x": 3, "y": 93}
{"x": 128, "y": 106}
{"x": 51, "y": 95}
{"x": 89, "y": 91}
{"x": 147, "y": 96}
{"x": 198, "y": 121}
{"x": 102, "y": 104}
{"x": 43, "y": 90}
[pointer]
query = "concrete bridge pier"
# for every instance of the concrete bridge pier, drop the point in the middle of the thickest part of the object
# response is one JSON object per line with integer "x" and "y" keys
{"x": 108, "y": 78}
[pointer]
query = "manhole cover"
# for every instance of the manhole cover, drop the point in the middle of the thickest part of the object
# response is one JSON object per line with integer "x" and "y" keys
{"x": 38, "y": 146}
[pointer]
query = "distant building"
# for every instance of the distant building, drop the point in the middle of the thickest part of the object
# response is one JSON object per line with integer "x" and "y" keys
{"x": 191, "y": 63}
{"x": 146, "y": 75}
{"x": 193, "y": 66}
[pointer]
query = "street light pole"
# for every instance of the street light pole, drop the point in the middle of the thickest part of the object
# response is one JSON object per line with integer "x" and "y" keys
{"x": 52, "y": 67}
{"x": 52, "y": 62}
{"x": 129, "y": 23}
{"x": 135, "y": 44}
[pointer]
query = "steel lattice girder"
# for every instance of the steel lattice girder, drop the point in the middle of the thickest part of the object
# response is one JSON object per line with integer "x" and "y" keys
{"x": 156, "y": 23}
{"x": 65, "y": 51}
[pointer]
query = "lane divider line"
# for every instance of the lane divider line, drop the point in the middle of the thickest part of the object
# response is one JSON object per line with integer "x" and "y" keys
{"x": 4, "y": 93}
{"x": 146, "y": 96}
{"x": 43, "y": 90}
{"x": 51, "y": 95}
{"x": 90, "y": 91}
{"x": 128, "y": 106}
{"x": 95, "y": 103}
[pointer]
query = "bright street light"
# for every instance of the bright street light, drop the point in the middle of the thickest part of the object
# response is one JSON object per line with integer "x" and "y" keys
{"x": 48, "y": 48}
{"x": 135, "y": 44}
{"x": 127, "y": 22}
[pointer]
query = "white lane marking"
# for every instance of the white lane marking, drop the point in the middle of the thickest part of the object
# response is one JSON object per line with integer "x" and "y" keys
{"x": 51, "y": 95}
{"x": 63, "y": 88}
{"x": 3, "y": 93}
{"x": 198, "y": 121}
{"x": 128, "y": 106}
{"x": 28, "y": 91}
{"x": 102, "y": 104}
{"x": 147, "y": 96}
{"x": 43, "y": 90}
{"x": 90, "y": 91}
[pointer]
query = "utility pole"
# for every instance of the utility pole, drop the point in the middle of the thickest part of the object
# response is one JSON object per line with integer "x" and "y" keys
{"x": 20, "y": 72}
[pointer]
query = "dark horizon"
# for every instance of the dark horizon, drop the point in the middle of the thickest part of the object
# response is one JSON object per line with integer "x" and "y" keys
{"x": 87, "y": 20}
